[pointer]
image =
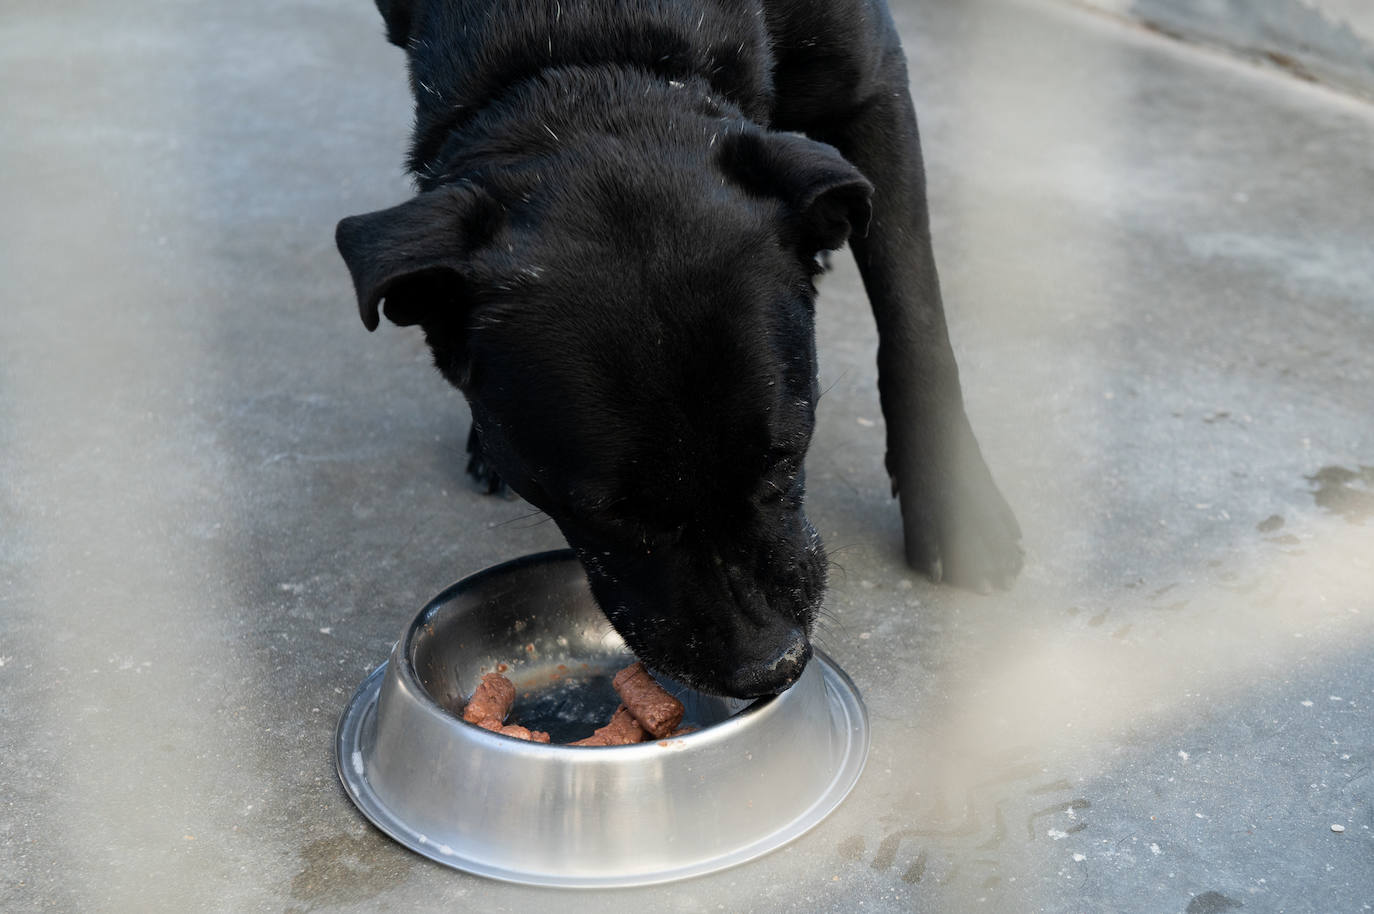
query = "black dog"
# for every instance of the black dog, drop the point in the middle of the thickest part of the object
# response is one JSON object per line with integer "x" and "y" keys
{"x": 612, "y": 256}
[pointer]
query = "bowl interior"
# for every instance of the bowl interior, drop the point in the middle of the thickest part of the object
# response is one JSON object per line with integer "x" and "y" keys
{"x": 539, "y": 626}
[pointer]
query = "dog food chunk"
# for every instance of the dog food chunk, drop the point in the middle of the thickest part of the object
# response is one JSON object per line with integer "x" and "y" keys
{"x": 656, "y": 710}
{"x": 596, "y": 739}
{"x": 535, "y": 736}
{"x": 647, "y": 712}
{"x": 491, "y": 700}
{"x": 515, "y": 730}
{"x": 621, "y": 731}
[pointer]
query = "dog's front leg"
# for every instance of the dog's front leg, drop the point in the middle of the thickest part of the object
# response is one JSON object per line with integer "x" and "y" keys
{"x": 957, "y": 525}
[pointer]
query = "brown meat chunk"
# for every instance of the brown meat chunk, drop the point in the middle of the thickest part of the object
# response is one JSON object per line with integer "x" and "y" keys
{"x": 515, "y": 730}
{"x": 656, "y": 710}
{"x": 491, "y": 700}
{"x": 621, "y": 731}
{"x": 519, "y": 732}
{"x": 596, "y": 739}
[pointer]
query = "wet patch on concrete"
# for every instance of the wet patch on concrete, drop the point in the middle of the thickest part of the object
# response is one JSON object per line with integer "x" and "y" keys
{"x": 1212, "y": 903}
{"x": 1349, "y": 493}
{"x": 959, "y": 837}
{"x": 346, "y": 869}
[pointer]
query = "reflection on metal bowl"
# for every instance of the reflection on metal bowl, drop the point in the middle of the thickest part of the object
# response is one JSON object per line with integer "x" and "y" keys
{"x": 751, "y": 777}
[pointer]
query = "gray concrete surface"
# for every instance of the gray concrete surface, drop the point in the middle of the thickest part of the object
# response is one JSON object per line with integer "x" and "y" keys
{"x": 221, "y": 499}
{"x": 1330, "y": 41}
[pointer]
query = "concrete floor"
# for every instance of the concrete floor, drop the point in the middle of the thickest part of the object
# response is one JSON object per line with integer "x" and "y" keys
{"x": 221, "y": 499}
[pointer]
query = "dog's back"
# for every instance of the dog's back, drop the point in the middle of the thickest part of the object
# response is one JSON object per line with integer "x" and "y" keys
{"x": 465, "y": 54}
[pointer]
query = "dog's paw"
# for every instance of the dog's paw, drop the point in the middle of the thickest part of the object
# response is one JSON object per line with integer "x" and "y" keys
{"x": 485, "y": 477}
{"x": 958, "y": 528}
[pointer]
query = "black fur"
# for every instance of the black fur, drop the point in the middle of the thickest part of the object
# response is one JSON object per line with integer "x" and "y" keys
{"x": 612, "y": 256}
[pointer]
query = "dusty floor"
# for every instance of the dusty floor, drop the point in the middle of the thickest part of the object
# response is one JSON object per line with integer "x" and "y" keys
{"x": 221, "y": 499}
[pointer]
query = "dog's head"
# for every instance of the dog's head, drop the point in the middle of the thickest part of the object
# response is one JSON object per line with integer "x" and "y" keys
{"x": 635, "y": 338}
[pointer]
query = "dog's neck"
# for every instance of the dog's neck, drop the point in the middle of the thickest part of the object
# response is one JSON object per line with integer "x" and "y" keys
{"x": 468, "y": 59}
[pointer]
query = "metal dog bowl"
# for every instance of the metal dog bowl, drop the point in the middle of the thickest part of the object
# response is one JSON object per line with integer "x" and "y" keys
{"x": 752, "y": 777}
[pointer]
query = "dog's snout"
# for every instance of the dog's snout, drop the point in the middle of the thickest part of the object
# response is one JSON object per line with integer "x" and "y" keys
{"x": 770, "y": 671}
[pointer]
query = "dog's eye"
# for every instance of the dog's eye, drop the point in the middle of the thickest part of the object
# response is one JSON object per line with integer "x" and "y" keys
{"x": 657, "y": 540}
{"x": 620, "y": 518}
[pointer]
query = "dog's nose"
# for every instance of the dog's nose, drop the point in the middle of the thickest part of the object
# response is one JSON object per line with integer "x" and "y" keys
{"x": 775, "y": 671}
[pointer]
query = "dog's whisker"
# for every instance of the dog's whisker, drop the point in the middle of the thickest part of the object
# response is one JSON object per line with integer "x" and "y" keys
{"x": 826, "y": 628}
{"x": 844, "y": 547}
{"x": 539, "y": 517}
{"x": 831, "y": 386}
{"x": 821, "y": 643}
{"x": 825, "y": 612}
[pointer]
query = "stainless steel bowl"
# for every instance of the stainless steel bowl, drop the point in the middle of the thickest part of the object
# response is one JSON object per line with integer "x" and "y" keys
{"x": 754, "y": 776}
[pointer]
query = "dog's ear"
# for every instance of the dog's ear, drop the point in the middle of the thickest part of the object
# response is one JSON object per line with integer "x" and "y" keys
{"x": 828, "y": 195}
{"x": 413, "y": 255}
{"x": 396, "y": 14}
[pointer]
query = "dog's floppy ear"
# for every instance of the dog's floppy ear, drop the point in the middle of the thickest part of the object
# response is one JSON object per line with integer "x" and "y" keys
{"x": 827, "y": 194}
{"x": 413, "y": 255}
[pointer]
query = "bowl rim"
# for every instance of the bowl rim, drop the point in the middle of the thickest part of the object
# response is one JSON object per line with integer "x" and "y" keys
{"x": 357, "y": 729}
